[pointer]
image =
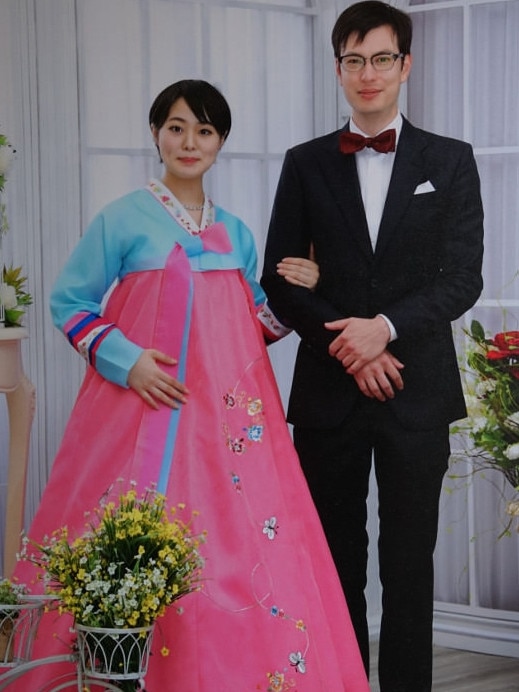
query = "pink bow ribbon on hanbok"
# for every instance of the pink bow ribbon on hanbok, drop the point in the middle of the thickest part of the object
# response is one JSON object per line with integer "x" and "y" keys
{"x": 215, "y": 238}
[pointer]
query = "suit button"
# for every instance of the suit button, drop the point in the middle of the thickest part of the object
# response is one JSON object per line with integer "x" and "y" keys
{"x": 373, "y": 283}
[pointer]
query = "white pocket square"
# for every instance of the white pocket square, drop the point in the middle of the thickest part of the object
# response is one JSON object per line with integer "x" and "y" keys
{"x": 424, "y": 187}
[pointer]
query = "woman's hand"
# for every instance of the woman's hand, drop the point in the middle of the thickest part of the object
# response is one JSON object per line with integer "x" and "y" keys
{"x": 299, "y": 271}
{"x": 154, "y": 385}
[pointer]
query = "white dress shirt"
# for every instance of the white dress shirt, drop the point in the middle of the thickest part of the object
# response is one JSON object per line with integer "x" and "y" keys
{"x": 374, "y": 170}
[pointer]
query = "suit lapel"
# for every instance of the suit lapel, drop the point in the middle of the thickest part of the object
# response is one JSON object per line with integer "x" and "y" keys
{"x": 407, "y": 174}
{"x": 345, "y": 187}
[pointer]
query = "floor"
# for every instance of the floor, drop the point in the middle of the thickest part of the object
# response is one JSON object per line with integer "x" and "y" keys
{"x": 464, "y": 671}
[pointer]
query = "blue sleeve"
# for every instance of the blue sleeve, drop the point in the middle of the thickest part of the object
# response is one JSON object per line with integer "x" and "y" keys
{"x": 77, "y": 298}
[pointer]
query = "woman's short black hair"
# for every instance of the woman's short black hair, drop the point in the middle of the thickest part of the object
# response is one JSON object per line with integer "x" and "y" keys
{"x": 362, "y": 17}
{"x": 206, "y": 102}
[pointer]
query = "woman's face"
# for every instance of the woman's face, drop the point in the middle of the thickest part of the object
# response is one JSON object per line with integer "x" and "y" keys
{"x": 187, "y": 147}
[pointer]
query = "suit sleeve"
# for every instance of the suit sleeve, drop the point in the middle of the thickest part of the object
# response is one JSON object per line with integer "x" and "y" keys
{"x": 457, "y": 282}
{"x": 289, "y": 235}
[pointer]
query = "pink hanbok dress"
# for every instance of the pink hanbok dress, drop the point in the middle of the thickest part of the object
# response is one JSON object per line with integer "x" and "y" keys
{"x": 270, "y": 616}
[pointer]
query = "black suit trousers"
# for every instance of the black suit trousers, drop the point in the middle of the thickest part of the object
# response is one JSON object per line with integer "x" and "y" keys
{"x": 409, "y": 467}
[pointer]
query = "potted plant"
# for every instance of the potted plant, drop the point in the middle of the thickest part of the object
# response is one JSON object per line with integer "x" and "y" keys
{"x": 13, "y": 301}
{"x": 136, "y": 559}
{"x": 492, "y": 397}
{"x": 10, "y": 608}
{"x": 13, "y": 296}
{"x": 6, "y": 157}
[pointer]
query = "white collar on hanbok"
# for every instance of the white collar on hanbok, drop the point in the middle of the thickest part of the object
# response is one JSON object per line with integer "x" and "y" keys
{"x": 176, "y": 209}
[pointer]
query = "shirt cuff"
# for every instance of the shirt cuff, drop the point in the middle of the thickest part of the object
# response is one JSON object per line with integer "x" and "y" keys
{"x": 392, "y": 331}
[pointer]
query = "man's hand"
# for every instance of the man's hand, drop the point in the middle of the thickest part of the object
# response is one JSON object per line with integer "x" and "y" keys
{"x": 153, "y": 384}
{"x": 380, "y": 377}
{"x": 359, "y": 342}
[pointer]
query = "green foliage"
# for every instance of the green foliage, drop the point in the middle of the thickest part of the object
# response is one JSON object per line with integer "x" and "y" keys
{"x": 15, "y": 301}
{"x": 492, "y": 395}
{"x": 10, "y": 592}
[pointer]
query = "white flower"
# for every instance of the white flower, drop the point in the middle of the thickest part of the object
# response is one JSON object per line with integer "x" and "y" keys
{"x": 8, "y": 296}
{"x": 6, "y": 157}
{"x": 478, "y": 423}
{"x": 485, "y": 387}
{"x": 512, "y": 421}
{"x": 474, "y": 406}
{"x": 270, "y": 528}
{"x": 296, "y": 659}
{"x": 512, "y": 451}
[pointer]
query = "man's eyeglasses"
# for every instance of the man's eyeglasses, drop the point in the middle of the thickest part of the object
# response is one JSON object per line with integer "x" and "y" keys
{"x": 381, "y": 61}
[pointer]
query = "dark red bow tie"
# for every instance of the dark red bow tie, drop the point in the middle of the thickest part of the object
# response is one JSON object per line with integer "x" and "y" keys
{"x": 350, "y": 142}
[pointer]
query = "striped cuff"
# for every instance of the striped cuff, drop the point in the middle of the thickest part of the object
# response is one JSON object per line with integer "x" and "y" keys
{"x": 273, "y": 329}
{"x": 86, "y": 332}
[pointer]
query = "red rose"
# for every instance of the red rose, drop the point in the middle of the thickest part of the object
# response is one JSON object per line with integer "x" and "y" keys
{"x": 494, "y": 354}
{"x": 506, "y": 348}
{"x": 507, "y": 341}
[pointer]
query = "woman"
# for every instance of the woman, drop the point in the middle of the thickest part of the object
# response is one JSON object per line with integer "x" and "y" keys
{"x": 180, "y": 394}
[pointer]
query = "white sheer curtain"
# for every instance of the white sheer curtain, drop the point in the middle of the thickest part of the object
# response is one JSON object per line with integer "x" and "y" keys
{"x": 239, "y": 49}
{"x": 463, "y": 85}
{"x": 38, "y": 111}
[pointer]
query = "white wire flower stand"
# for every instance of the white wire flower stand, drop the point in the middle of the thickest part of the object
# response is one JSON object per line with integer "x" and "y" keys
{"x": 101, "y": 659}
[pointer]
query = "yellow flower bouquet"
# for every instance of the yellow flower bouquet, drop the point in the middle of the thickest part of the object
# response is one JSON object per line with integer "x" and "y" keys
{"x": 136, "y": 558}
{"x": 131, "y": 564}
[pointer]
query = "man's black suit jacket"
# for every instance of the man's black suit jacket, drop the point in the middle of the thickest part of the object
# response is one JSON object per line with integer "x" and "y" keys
{"x": 425, "y": 271}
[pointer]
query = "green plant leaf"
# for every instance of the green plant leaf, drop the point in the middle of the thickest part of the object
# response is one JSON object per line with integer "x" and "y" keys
{"x": 476, "y": 331}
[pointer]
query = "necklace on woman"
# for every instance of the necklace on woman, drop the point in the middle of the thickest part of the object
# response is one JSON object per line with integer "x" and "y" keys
{"x": 194, "y": 207}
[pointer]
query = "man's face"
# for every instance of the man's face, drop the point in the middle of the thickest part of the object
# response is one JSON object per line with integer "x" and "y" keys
{"x": 373, "y": 94}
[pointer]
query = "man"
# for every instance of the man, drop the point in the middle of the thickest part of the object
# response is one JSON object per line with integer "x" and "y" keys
{"x": 399, "y": 241}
